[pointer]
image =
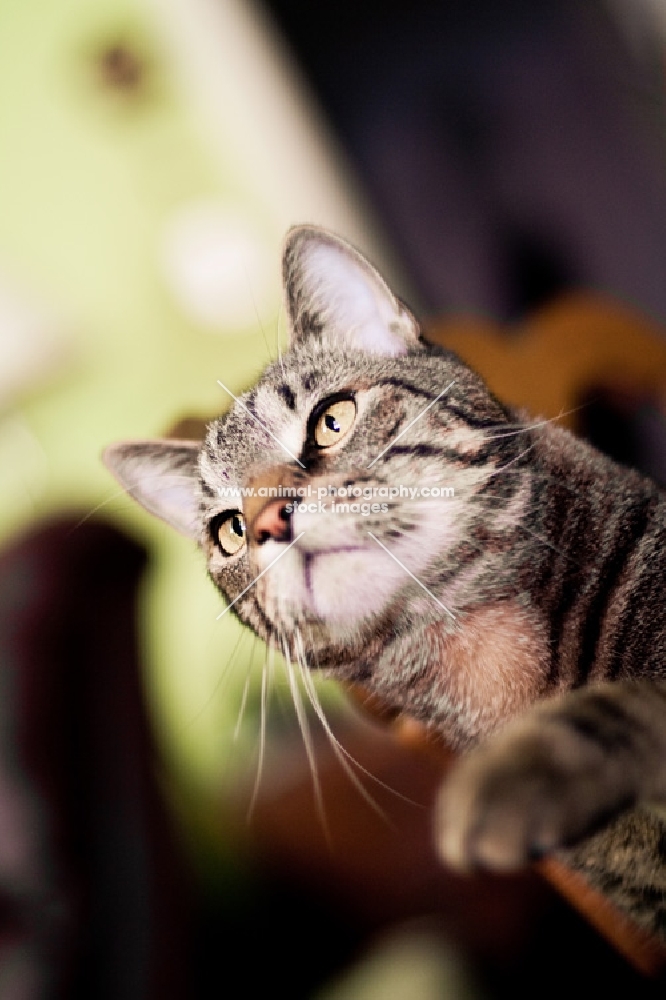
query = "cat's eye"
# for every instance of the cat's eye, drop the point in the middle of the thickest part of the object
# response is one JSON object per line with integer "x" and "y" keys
{"x": 228, "y": 531}
{"x": 334, "y": 423}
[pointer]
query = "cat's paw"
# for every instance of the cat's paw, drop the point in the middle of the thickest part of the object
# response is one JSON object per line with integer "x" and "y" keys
{"x": 536, "y": 786}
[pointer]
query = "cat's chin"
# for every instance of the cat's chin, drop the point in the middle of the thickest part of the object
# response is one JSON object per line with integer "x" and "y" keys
{"x": 342, "y": 585}
{"x": 339, "y": 585}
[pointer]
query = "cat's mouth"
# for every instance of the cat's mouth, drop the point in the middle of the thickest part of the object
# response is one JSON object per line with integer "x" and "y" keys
{"x": 343, "y": 584}
{"x": 310, "y": 558}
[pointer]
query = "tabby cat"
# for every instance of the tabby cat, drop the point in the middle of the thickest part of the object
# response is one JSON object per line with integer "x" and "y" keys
{"x": 403, "y": 529}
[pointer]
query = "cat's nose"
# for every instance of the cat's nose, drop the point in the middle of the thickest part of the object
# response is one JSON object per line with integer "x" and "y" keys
{"x": 272, "y": 521}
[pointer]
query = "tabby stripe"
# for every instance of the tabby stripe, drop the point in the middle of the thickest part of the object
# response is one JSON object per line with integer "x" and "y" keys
{"x": 500, "y": 491}
{"x": 463, "y": 557}
{"x": 250, "y": 406}
{"x": 287, "y": 394}
{"x": 554, "y": 583}
{"x": 623, "y": 547}
{"x": 481, "y": 423}
{"x": 400, "y": 383}
{"x": 421, "y": 451}
{"x": 392, "y": 432}
{"x": 261, "y": 614}
{"x": 502, "y": 456}
{"x": 630, "y": 642}
{"x": 586, "y": 598}
{"x": 467, "y": 417}
{"x": 247, "y": 607}
{"x": 599, "y": 718}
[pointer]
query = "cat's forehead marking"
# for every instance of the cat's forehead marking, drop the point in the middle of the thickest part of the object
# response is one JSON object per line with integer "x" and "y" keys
{"x": 272, "y": 407}
{"x": 287, "y": 394}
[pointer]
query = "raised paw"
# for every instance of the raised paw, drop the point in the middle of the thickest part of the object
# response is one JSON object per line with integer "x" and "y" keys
{"x": 538, "y": 785}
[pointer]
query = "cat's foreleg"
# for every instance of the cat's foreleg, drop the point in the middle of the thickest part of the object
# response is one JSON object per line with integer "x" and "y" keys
{"x": 554, "y": 775}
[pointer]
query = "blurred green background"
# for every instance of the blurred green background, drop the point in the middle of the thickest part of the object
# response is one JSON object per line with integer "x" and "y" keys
{"x": 144, "y": 250}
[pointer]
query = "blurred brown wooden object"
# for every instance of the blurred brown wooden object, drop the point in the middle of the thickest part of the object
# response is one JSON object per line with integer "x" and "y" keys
{"x": 548, "y": 361}
{"x": 382, "y": 872}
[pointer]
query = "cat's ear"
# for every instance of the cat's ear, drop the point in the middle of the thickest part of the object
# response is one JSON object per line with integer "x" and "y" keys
{"x": 163, "y": 477}
{"x": 334, "y": 294}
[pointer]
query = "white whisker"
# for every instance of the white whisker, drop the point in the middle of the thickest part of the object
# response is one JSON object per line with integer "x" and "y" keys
{"x": 411, "y": 424}
{"x": 342, "y": 754}
{"x": 507, "y": 430}
{"x": 256, "y": 419}
{"x": 503, "y": 468}
{"x": 256, "y": 312}
{"x": 259, "y": 576}
{"x": 415, "y": 578}
{"x": 307, "y": 741}
{"x": 547, "y": 543}
{"x": 262, "y": 740}
{"x": 243, "y": 703}
{"x": 277, "y": 339}
{"x": 223, "y": 674}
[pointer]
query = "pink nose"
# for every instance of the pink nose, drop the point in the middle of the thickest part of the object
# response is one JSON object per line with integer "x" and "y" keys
{"x": 272, "y": 521}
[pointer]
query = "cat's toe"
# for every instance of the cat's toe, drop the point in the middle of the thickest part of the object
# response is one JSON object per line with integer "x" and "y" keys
{"x": 496, "y": 821}
{"x": 518, "y": 798}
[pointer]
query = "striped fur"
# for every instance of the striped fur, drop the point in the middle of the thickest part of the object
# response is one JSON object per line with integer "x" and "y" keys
{"x": 521, "y": 618}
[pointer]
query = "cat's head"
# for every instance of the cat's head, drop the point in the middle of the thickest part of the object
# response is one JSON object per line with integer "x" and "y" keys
{"x": 336, "y": 500}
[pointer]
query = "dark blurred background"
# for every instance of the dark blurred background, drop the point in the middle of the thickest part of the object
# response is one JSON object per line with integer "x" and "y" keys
{"x": 512, "y": 150}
